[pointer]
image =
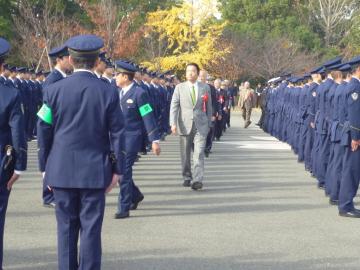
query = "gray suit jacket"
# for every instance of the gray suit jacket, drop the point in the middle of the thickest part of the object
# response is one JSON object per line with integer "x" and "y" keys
{"x": 183, "y": 114}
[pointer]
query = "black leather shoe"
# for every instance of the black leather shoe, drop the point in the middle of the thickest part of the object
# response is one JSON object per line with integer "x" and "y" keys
{"x": 49, "y": 205}
{"x": 196, "y": 185}
{"x": 187, "y": 183}
{"x": 333, "y": 202}
{"x": 247, "y": 124}
{"x": 351, "y": 214}
{"x": 122, "y": 215}
{"x": 206, "y": 153}
{"x": 321, "y": 186}
{"x": 134, "y": 205}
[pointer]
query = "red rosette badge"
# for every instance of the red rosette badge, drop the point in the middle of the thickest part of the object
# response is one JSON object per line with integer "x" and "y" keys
{"x": 205, "y": 99}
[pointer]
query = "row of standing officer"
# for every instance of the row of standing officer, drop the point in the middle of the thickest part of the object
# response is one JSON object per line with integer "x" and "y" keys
{"x": 29, "y": 83}
{"x": 318, "y": 115}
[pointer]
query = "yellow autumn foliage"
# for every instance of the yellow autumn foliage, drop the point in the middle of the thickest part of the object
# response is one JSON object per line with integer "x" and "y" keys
{"x": 186, "y": 44}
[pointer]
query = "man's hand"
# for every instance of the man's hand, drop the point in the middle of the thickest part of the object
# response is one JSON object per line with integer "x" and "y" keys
{"x": 156, "y": 148}
{"x": 173, "y": 130}
{"x": 12, "y": 180}
{"x": 213, "y": 118}
{"x": 355, "y": 145}
{"x": 116, "y": 178}
{"x": 312, "y": 125}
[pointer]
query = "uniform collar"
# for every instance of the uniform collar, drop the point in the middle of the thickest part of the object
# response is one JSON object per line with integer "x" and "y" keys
{"x": 109, "y": 79}
{"x": 356, "y": 78}
{"x": 97, "y": 74}
{"x": 61, "y": 72}
{"x": 83, "y": 70}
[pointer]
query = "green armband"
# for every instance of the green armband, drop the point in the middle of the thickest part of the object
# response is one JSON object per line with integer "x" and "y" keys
{"x": 45, "y": 114}
{"x": 145, "y": 110}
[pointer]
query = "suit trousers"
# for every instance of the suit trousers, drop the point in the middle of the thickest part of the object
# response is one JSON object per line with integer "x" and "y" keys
{"x": 186, "y": 142}
{"x": 218, "y": 128}
{"x": 210, "y": 137}
{"x": 79, "y": 211}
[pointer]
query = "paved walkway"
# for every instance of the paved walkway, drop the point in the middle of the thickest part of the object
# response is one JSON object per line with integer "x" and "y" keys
{"x": 259, "y": 210}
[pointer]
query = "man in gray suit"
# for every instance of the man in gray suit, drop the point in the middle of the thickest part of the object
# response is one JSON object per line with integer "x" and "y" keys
{"x": 190, "y": 117}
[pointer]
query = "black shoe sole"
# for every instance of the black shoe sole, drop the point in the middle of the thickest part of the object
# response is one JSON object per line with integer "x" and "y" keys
{"x": 331, "y": 202}
{"x": 48, "y": 205}
{"x": 118, "y": 216}
{"x": 187, "y": 184}
{"x": 349, "y": 216}
{"x": 196, "y": 186}
{"x": 135, "y": 205}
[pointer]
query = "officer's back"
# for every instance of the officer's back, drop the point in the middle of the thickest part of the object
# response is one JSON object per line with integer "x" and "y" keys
{"x": 82, "y": 128}
{"x": 81, "y": 122}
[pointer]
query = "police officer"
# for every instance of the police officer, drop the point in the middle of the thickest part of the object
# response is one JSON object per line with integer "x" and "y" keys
{"x": 5, "y": 74}
{"x": 101, "y": 66}
{"x": 60, "y": 58}
{"x": 30, "y": 76}
{"x": 321, "y": 153}
{"x": 12, "y": 77}
{"x": 138, "y": 115}
{"x": 351, "y": 163}
{"x": 13, "y": 148}
{"x": 334, "y": 170}
{"x": 310, "y": 117}
{"x": 108, "y": 75}
{"x": 80, "y": 149}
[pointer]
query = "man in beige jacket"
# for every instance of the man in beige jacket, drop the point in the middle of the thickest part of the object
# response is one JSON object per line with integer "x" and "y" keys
{"x": 247, "y": 101}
